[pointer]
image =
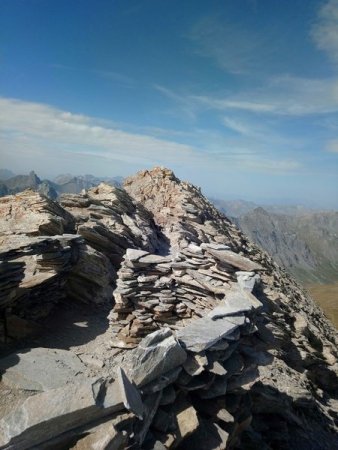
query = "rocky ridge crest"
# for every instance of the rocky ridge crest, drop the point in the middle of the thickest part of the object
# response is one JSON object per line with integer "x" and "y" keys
{"x": 210, "y": 344}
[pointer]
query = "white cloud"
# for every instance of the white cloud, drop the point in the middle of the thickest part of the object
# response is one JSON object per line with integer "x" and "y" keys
{"x": 187, "y": 108}
{"x": 325, "y": 30}
{"x": 36, "y": 135}
{"x": 51, "y": 127}
{"x": 226, "y": 104}
{"x": 237, "y": 126}
{"x": 285, "y": 95}
{"x": 235, "y": 47}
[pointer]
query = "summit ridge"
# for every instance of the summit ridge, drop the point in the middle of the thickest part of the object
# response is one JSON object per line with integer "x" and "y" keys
{"x": 193, "y": 337}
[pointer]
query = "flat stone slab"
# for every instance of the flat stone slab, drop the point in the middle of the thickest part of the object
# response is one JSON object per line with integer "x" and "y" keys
{"x": 134, "y": 254}
{"x": 235, "y": 260}
{"x": 41, "y": 369}
{"x": 235, "y": 303}
{"x": 205, "y": 332}
{"x": 214, "y": 246}
{"x": 217, "y": 389}
{"x": 153, "y": 259}
{"x": 48, "y": 414}
{"x": 131, "y": 397}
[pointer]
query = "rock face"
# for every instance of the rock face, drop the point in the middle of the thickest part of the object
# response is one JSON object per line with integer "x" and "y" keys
{"x": 51, "y": 252}
{"x": 210, "y": 344}
{"x": 111, "y": 221}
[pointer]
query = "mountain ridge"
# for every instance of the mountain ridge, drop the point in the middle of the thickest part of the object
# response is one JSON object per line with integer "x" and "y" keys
{"x": 147, "y": 302}
{"x": 65, "y": 183}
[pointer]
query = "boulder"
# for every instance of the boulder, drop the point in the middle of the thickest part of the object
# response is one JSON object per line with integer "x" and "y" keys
{"x": 156, "y": 354}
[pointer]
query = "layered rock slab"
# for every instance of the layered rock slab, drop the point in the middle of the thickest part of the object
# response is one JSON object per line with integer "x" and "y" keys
{"x": 111, "y": 221}
{"x": 42, "y": 416}
{"x": 41, "y": 369}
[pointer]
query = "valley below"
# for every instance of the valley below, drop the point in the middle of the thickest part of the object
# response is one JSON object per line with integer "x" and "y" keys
{"x": 326, "y": 296}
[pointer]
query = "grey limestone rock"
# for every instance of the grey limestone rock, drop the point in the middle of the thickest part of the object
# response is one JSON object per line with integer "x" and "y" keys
{"x": 205, "y": 332}
{"x": 235, "y": 260}
{"x": 134, "y": 255}
{"x": 235, "y": 303}
{"x": 41, "y": 369}
{"x": 131, "y": 396}
{"x": 48, "y": 414}
{"x": 156, "y": 354}
{"x": 247, "y": 280}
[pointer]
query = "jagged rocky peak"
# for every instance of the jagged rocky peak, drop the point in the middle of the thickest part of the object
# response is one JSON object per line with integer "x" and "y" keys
{"x": 208, "y": 343}
{"x": 184, "y": 214}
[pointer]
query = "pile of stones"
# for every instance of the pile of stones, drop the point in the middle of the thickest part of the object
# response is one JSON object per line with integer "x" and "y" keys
{"x": 171, "y": 385}
{"x": 153, "y": 290}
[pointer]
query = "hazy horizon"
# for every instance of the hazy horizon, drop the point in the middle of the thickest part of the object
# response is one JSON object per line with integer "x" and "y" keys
{"x": 221, "y": 196}
{"x": 240, "y": 98}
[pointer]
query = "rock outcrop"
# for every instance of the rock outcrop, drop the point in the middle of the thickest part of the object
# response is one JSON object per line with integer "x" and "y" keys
{"x": 70, "y": 251}
{"x": 210, "y": 344}
{"x": 111, "y": 221}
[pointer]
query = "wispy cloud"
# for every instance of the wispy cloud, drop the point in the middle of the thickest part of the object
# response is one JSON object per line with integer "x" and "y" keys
{"x": 325, "y": 30}
{"x": 235, "y": 47}
{"x": 187, "y": 107}
{"x": 33, "y": 133}
{"x": 255, "y": 130}
{"x": 111, "y": 75}
{"x": 238, "y": 126}
{"x": 42, "y": 126}
{"x": 278, "y": 96}
{"x": 283, "y": 95}
{"x": 229, "y": 103}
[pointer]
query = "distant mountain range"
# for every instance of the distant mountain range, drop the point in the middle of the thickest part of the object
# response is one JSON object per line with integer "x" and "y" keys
{"x": 302, "y": 240}
{"x": 238, "y": 208}
{"x": 65, "y": 183}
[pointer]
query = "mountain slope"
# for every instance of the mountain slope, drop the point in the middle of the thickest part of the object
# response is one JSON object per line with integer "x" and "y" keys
{"x": 209, "y": 342}
{"x": 305, "y": 244}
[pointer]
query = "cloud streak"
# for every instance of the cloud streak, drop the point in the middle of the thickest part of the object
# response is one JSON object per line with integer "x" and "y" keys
{"x": 284, "y": 96}
{"x": 235, "y": 48}
{"x": 113, "y": 76}
{"x": 325, "y": 30}
{"x": 38, "y": 133}
{"x": 47, "y": 127}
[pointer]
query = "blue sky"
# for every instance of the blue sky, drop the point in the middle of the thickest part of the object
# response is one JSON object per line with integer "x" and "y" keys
{"x": 237, "y": 96}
